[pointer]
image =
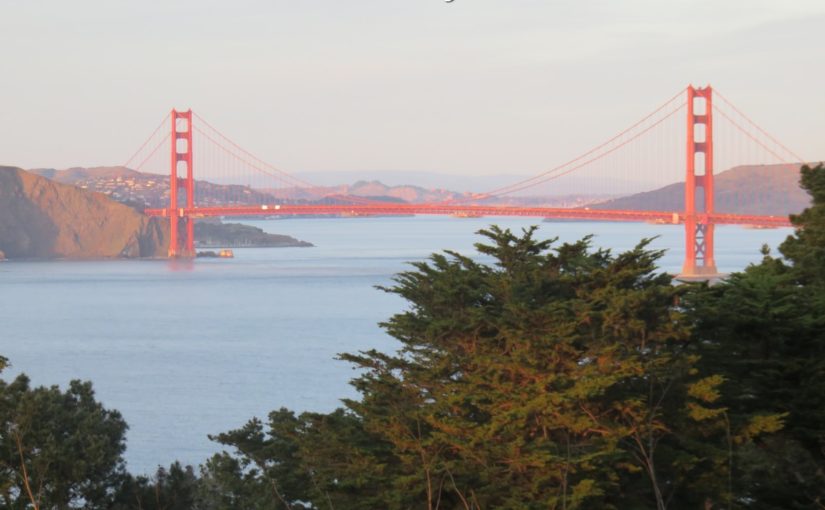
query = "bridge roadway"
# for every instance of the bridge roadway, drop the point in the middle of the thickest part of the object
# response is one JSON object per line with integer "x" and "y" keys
{"x": 380, "y": 208}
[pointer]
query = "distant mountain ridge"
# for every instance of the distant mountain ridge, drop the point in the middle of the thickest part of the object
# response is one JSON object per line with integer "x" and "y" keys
{"x": 76, "y": 173}
{"x": 371, "y": 189}
{"x": 422, "y": 179}
{"x": 141, "y": 189}
{"x": 750, "y": 189}
{"x": 467, "y": 184}
{"x": 771, "y": 190}
{"x": 151, "y": 190}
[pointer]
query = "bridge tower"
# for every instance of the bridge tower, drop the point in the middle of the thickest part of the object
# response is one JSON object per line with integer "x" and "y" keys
{"x": 699, "y": 261}
{"x": 181, "y": 155}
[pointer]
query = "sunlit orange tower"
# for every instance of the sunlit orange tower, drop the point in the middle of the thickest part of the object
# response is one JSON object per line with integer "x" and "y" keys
{"x": 181, "y": 154}
{"x": 699, "y": 261}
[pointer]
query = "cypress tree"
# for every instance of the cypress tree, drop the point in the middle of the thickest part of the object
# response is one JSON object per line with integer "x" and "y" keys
{"x": 763, "y": 330}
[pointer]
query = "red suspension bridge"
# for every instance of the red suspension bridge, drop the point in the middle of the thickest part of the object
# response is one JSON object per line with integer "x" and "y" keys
{"x": 657, "y": 150}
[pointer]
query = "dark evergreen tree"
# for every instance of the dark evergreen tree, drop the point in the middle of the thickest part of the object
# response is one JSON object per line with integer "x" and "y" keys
{"x": 763, "y": 330}
{"x": 58, "y": 449}
{"x": 270, "y": 458}
{"x": 805, "y": 250}
{"x": 557, "y": 377}
{"x": 175, "y": 488}
{"x": 310, "y": 461}
{"x": 553, "y": 378}
{"x": 226, "y": 483}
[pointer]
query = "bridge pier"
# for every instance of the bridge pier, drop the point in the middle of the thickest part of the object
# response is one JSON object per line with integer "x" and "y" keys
{"x": 699, "y": 228}
{"x": 181, "y": 153}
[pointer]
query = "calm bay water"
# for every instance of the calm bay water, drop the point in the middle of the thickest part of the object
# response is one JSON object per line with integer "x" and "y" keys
{"x": 186, "y": 349}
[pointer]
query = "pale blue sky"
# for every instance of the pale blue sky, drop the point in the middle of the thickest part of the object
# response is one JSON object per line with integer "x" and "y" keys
{"x": 468, "y": 87}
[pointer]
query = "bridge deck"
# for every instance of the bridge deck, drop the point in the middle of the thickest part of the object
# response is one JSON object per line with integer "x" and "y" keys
{"x": 375, "y": 209}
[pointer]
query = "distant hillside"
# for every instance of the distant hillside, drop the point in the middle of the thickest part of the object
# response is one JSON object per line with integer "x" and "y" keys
{"x": 754, "y": 189}
{"x": 377, "y": 190}
{"x": 71, "y": 175}
{"x": 141, "y": 189}
{"x": 40, "y": 218}
{"x": 472, "y": 183}
{"x": 370, "y": 189}
{"x": 427, "y": 180}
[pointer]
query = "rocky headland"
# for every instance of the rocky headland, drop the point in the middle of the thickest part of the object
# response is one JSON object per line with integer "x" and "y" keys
{"x": 42, "y": 219}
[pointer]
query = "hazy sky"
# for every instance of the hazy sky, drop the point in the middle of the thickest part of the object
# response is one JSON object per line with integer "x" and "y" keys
{"x": 468, "y": 87}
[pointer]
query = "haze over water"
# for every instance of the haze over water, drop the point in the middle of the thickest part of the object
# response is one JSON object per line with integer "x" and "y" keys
{"x": 186, "y": 349}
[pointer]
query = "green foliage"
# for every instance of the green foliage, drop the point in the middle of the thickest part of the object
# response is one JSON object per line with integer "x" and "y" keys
{"x": 226, "y": 484}
{"x": 172, "y": 489}
{"x": 272, "y": 456}
{"x": 545, "y": 380}
{"x": 58, "y": 449}
{"x": 806, "y": 248}
{"x": 555, "y": 377}
{"x": 763, "y": 330}
{"x": 312, "y": 459}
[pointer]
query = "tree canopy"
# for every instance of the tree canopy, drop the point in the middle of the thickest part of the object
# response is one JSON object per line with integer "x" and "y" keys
{"x": 58, "y": 449}
{"x": 537, "y": 375}
{"x": 764, "y": 329}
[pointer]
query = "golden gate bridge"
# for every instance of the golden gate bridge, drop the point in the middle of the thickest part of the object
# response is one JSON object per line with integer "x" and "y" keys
{"x": 659, "y": 149}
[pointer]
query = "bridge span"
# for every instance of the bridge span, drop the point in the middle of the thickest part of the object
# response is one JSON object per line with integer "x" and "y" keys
{"x": 390, "y": 209}
{"x": 694, "y": 160}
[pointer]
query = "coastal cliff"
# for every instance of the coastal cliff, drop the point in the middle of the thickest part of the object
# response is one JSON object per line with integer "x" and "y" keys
{"x": 40, "y": 218}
